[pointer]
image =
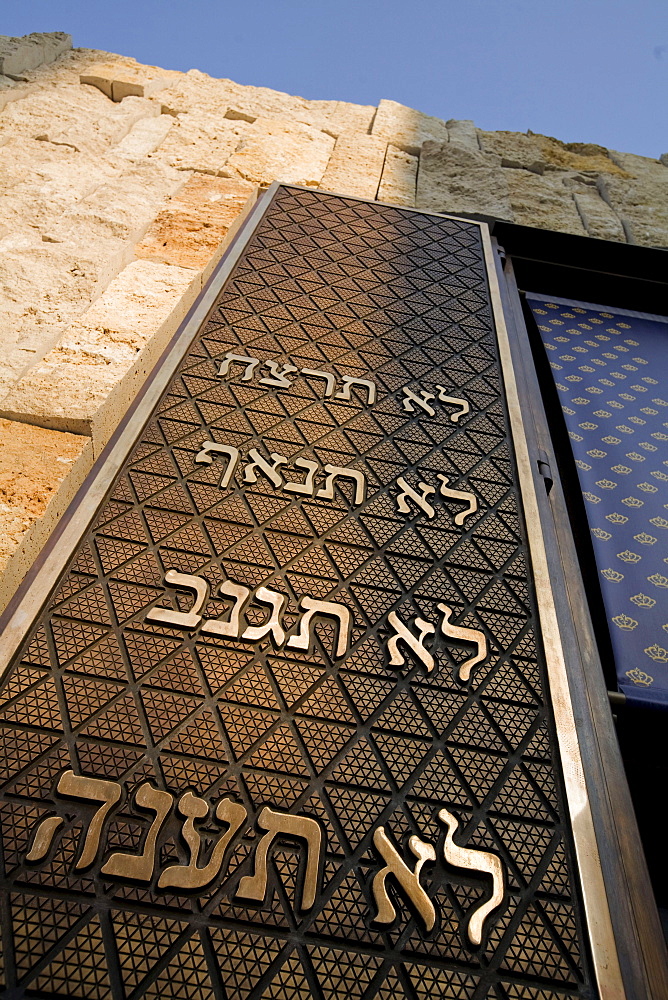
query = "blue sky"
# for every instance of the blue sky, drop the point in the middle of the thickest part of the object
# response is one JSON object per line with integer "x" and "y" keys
{"x": 580, "y": 70}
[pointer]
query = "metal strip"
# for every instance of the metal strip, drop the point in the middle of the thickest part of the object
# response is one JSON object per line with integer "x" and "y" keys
{"x": 599, "y": 922}
{"x": 633, "y": 313}
{"x": 37, "y": 585}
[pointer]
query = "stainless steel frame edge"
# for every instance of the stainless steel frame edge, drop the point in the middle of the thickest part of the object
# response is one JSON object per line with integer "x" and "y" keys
{"x": 627, "y": 943}
{"x": 35, "y": 588}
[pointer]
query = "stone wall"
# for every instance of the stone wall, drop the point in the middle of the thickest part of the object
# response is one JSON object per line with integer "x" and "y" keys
{"x": 121, "y": 183}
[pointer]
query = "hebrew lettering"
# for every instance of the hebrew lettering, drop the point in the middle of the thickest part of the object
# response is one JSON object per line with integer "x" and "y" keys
{"x": 242, "y": 359}
{"x": 314, "y": 608}
{"x": 419, "y": 499}
{"x": 420, "y": 399}
{"x": 329, "y": 379}
{"x": 86, "y": 789}
{"x": 349, "y": 381}
{"x": 463, "y": 496}
{"x": 254, "y": 887}
{"x": 182, "y": 619}
{"x": 277, "y": 377}
{"x": 139, "y": 867}
{"x": 479, "y": 639}
{"x": 415, "y": 643}
{"x": 43, "y": 839}
{"x": 262, "y": 465}
{"x": 338, "y": 472}
{"x": 192, "y": 876}
{"x": 477, "y": 861}
{"x": 405, "y": 879}
{"x": 273, "y": 625}
{"x": 463, "y": 406}
{"x": 211, "y": 448}
{"x": 232, "y": 627}
{"x": 307, "y": 487}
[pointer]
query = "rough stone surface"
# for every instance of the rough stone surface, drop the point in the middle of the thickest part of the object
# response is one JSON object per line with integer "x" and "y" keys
{"x": 642, "y": 201}
{"x": 119, "y": 81}
{"x": 40, "y": 470}
{"x": 190, "y": 231}
{"x": 399, "y": 178}
{"x": 543, "y": 200}
{"x": 355, "y": 166}
{"x": 463, "y": 133}
{"x": 406, "y": 128}
{"x": 454, "y": 179}
{"x": 598, "y": 218}
{"x": 86, "y": 382}
{"x": 515, "y": 149}
{"x": 144, "y": 137}
{"x": 18, "y": 55}
{"x": 201, "y": 142}
{"x": 275, "y": 151}
{"x": 118, "y": 194}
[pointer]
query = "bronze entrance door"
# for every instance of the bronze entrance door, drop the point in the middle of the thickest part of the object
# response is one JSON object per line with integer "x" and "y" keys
{"x": 293, "y": 721}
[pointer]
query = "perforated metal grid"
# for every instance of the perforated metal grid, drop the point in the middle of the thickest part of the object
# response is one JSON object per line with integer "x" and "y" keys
{"x": 371, "y": 292}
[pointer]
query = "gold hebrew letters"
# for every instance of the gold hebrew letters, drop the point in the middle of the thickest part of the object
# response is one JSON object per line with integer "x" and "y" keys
{"x": 271, "y": 469}
{"x": 462, "y": 634}
{"x": 182, "y": 619}
{"x": 419, "y": 499}
{"x": 236, "y": 628}
{"x": 139, "y": 867}
{"x": 329, "y": 609}
{"x": 462, "y": 495}
{"x": 277, "y": 376}
{"x": 210, "y": 448}
{"x": 477, "y": 861}
{"x": 254, "y": 886}
{"x": 406, "y": 880}
{"x": 414, "y": 643}
{"x": 191, "y": 876}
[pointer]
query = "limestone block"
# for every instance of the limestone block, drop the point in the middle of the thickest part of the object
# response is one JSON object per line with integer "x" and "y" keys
{"x": 406, "y": 128}
{"x": 515, "y": 149}
{"x": 72, "y": 115}
{"x": 642, "y": 200}
{"x": 40, "y": 470}
{"x": 117, "y": 81}
{"x": 11, "y": 91}
{"x": 197, "y": 93}
{"x": 585, "y": 157}
{"x": 463, "y": 133}
{"x": 338, "y": 117}
{"x": 399, "y": 178}
{"x": 452, "y": 179}
{"x": 599, "y": 219}
{"x": 190, "y": 230}
{"x": 355, "y": 166}
{"x": 201, "y": 142}
{"x": 144, "y": 136}
{"x": 86, "y": 382}
{"x": 122, "y": 208}
{"x": 544, "y": 202}
{"x": 39, "y": 181}
{"x": 20, "y": 55}
{"x": 289, "y": 152}
{"x": 43, "y": 287}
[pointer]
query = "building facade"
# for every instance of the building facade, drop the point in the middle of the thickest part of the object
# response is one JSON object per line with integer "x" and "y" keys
{"x": 318, "y": 577}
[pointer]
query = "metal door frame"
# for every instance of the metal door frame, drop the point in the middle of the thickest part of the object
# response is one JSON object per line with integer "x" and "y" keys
{"x": 623, "y": 926}
{"x": 608, "y": 819}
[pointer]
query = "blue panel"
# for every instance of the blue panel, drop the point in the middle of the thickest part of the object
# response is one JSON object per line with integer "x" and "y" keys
{"x": 611, "y": 371}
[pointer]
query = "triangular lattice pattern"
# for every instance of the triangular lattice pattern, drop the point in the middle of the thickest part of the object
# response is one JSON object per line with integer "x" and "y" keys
{"x": 360, "y": 290}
